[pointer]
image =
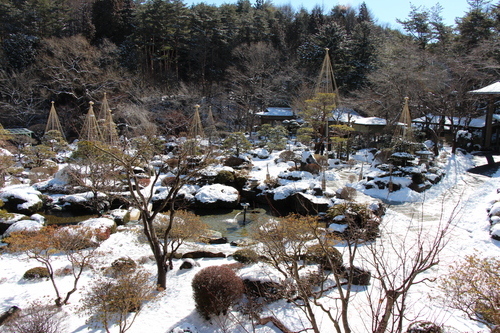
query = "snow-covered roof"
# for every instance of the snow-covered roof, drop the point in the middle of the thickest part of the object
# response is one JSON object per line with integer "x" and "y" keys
{"x": 371, "y": 121}
{"x": 277, "y": 112}
{"x": 478, "y": 122}
{"x": 492, "y": 89}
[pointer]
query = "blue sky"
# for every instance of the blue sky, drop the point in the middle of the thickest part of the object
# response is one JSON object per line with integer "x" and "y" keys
{"x": 385, "y": 11}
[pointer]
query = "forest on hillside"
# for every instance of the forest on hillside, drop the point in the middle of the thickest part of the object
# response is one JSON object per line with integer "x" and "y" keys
{"x": 156, "y": 59}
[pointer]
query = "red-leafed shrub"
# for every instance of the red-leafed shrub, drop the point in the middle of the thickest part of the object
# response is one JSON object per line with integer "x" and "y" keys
{"x": 215, "y": 289}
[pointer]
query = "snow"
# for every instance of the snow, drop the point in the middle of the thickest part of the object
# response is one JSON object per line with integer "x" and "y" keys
{"x": 462, "y": 196}
{"x": 80, "y": 197}
{"x": 495, "y": 230}
{"x": 261, "y": 153}
{"x": 259, "y": 272}
{"x": 495, "y": 209}
{"x": 283, "y": 192}
{"x": 493, "y": 89}
{"x": 38, "y": 218}
{"x": 98, "y": 223}
{"x": 345, "y": 115}
{"x": 217, "y": 192}
{"x": 371, "y": 121}
{"x": 213, "y": 170}
{"x": 295, "y": 175}
{"x": 277, "y": 111}
{"x": 5, "y": 152}
{"x": 23, "y": 225}
{"x": 26, "y": 193}
{"x": 335, "y": 227}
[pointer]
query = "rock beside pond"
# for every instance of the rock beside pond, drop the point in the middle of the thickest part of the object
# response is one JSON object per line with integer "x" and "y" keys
{"x": 81, "y": 203}
{"x": 99, "y": 223}
{"x": 120, "y": 216}
{"x": 23, "y": 225}
{"x": 243, "y": 242}
{"x": 298, "y": 202}
{"x": 21, "y": 199}
{"x": 9, "y": 219}
{"x": 203, "y": 254}
{"x": 216, "y": 196}
{"x": 222, "y": 240}
{"x": 213, "y": 237}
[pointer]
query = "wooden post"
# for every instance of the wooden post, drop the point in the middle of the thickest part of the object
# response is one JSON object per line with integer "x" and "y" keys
{"x": 488, "y": 123}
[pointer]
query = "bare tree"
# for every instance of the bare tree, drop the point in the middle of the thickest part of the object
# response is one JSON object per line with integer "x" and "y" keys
{"x": 294, "y": 240}
{"x": 79, "y": 245}
{"x": 187, "y": 226}
{"x": 399, "y": 264}
{"x": 186, "y": 169}
{"x": 37, "y": 318}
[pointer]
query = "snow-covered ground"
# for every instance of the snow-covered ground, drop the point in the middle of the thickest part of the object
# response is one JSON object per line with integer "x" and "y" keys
{"x": 461, "y": 195}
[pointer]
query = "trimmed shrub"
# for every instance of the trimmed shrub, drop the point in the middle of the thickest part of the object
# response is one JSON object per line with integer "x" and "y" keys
{"x": 172, "y": 163}
{"x": 287, "y": 155}
{"x": 143, "y": 182}
{"x": 322, "y": 160}
{"x": 215, "y": 290}
{"x": 122, "y": 266}
{"x": 351, "y": 178}
{"x": 167, "y": 181}
{"x": 348, "y": 193}
{"x": 418, "y": 178}
{"x": 329, "y": 258}
{"x": 36, "y": 273}
{"x": 246, "y": 256}
{"x": 224, "y": 177}
{"x": 233, "y": 161}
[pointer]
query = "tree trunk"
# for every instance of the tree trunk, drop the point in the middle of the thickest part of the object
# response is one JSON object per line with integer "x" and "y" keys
{"x": 161, "y": 280}
{"x": 392, "y": 296}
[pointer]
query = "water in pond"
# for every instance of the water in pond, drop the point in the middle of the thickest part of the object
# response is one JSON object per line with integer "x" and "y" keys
{"x": 65, "y": 218}
{"x": 232, "y": 224}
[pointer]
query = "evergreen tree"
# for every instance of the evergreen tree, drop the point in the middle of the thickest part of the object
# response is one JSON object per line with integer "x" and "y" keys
{"x": 364, "y": 13}
{"x": 477, "y": 24}
{"x": 418, "y": 25}
{"x": 113, "y": 19}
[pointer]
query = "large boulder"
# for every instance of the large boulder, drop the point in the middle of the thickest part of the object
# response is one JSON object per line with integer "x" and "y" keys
{"x": 203, "y": 254}
{"x": 120, "y": 216}
{"x": 8, "y": 219}
{"x": 23, "y": 225}
{"x": 216, "y": 196}
{"x": 21, "y": 199}
{"x": 102, "y": 223}
{"x": 61, "y": 183}
{"x": 82, "y": 203}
